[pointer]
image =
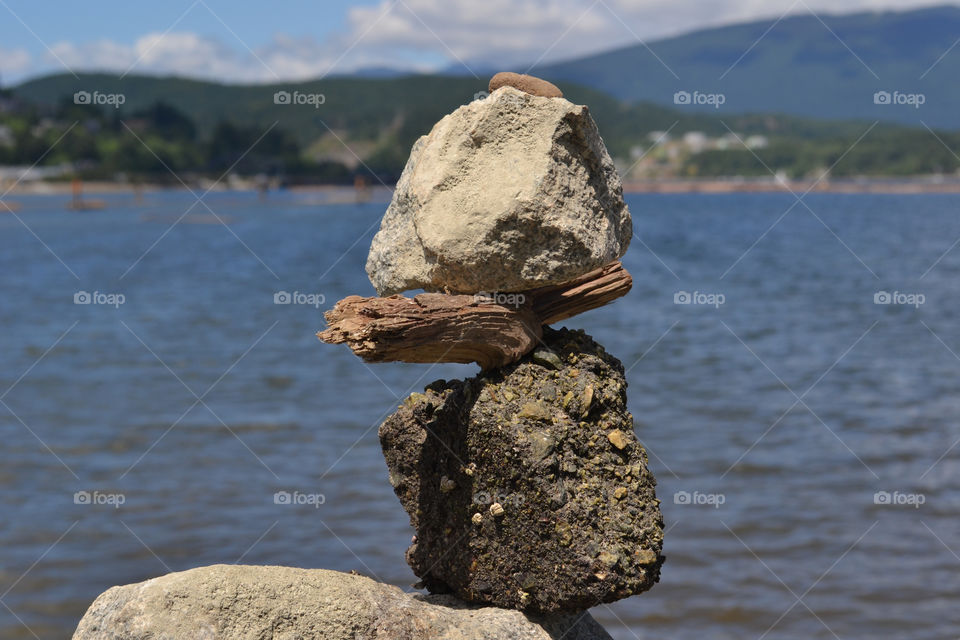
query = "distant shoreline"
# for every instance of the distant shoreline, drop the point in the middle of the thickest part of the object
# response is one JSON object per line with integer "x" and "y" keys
{"x": 106, "y": 187}
{"x": 918, "y": 185}
{"x": 894, "y": 186}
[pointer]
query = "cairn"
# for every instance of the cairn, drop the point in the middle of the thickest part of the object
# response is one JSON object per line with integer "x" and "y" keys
{"x": 525, "y": 484}
{"x": 531, "y": 498}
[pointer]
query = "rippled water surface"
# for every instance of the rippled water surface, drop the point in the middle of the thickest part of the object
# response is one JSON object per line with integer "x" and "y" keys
{"x": 772, "y": 420}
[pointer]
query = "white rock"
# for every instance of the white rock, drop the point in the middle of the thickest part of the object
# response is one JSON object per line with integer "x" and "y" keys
{"x": 232, "y": 602}
{"x": 507, "y": 193}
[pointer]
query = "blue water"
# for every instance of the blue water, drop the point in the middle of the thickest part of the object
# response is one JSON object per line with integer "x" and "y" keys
{"x": 781, "y": 412}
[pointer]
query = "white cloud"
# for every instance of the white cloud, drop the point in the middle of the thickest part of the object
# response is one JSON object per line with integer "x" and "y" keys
{"x": 523, "y": 31}
{"x": 424, "y": 34}
{"x": 13, "y": 61}
{"x": 180, "y": 53}
{"x": 193, "y": 55}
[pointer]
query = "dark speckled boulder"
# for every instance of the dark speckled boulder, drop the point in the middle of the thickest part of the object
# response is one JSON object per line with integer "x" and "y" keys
{"x": 526, "y": 485}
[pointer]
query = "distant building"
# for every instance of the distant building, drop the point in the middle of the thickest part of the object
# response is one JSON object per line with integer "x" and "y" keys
{"x": 729, "y": 141}
{"x": 696, "y": 141}
{"x": 757, "y": 142}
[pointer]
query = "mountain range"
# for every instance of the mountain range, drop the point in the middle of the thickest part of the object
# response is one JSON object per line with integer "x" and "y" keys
{"x": 891, "y": 66}
{"x": 814, "y": 65}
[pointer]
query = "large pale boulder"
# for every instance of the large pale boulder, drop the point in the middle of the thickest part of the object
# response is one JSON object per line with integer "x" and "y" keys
{"x": 507, "y": 193}
{"x": 229, "y": 602}
{"x": 526, "y": 485}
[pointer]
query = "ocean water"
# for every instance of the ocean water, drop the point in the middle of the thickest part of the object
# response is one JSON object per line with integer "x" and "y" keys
{"x": 805, "y": 438}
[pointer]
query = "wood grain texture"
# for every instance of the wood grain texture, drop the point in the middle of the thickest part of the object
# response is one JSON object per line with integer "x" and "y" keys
{"x": 491, "y": 331}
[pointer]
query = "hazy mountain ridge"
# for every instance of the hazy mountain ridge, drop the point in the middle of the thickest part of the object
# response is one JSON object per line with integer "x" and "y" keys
{"x": 802, "y": 66}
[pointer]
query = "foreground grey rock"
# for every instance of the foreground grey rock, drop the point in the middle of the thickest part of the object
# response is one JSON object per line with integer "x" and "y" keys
{"x": 505, "y": 194}
{"x": 229, "y": 602}
{"x": 526, "y": 485}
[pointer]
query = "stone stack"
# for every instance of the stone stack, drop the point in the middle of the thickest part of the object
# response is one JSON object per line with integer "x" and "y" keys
{"x": 525, "y": 484}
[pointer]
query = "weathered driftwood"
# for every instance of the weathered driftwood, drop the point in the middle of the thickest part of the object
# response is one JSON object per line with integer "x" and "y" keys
{"x": 589, "y": 291}
{"x": 490, "y": 329}
{"x": 432, "y": 327}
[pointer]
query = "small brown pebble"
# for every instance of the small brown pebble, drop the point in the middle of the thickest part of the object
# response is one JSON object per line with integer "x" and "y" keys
{"x": 618, "y": 439}
{"x": 528, "y": 84}
{"x": 477, "y": 518}
{"x": 620, "y": 493}
{"x": 496, "y": 510}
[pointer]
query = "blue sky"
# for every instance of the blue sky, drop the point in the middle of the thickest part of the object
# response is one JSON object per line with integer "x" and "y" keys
{"x": 246, "y": 41}
{"x": 116, "y": 20}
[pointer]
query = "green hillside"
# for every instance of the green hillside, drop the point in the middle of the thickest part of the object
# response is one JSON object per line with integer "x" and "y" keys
{"x": 389, "y": 112}
{"x": 369, "y": 124}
